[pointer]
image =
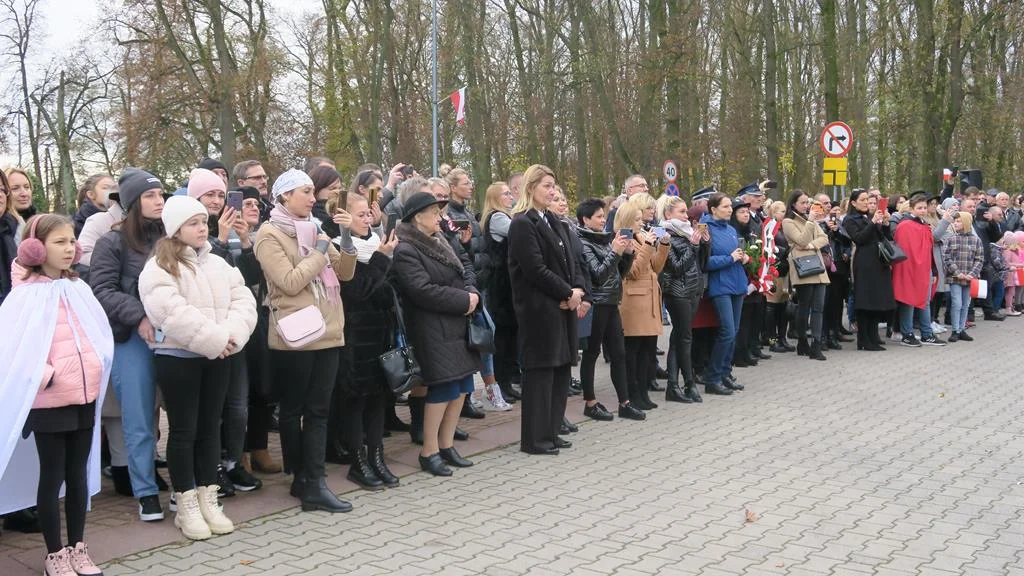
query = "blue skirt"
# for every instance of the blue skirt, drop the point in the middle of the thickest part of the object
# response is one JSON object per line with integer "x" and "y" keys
{"x": 448, "y": 391}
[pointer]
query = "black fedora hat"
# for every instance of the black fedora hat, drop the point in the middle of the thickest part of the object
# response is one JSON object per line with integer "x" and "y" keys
{"x": 417, "y": 203}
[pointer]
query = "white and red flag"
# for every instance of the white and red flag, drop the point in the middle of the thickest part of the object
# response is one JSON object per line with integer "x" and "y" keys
{"x": 459, "y": 102}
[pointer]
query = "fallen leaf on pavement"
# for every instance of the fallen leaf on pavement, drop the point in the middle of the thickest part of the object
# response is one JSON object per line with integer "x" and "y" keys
{"x": 780, "y": 564}
{"x": 246, "y": 562}
{"x": 751, "y": 516}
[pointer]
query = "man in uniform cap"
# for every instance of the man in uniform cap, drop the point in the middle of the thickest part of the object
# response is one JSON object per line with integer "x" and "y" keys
{"x": 700, "y": 198}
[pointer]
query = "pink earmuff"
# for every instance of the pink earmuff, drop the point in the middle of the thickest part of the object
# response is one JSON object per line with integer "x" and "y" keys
{"x": 32, "y": 252}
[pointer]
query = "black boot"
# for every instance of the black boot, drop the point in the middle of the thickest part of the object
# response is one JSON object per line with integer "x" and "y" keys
{"x": 653, "y": 385}
{"x": 435, "y": 465}
{"x": 452, "y": 457}
{"x": 375, "y": 456}
{"x": 645, "y": 394}
{"x": 460, "y": 435}
{"x": 674, "y": 394}
{"x": 122, "y": 481}
{"x": 337, "y": 453}
{"x": 635, "y": 396}
{"x": 717, "y": 389}
{"x": 298, "y": 486}
{"x": 470, "y": 411}
{"x": 802, "y": 347}
{"x": 690, "y": 391}
{"x": 361, "y": 473}
{"x": 832, "y": 342}
{"x": 509, "y": 393}
{"x": 815, "y": 351}
{"x": 317, "y": 496}
{"x": 416, "y": 405}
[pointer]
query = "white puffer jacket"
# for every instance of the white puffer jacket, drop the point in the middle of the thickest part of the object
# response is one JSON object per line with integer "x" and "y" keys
{"x": 200, "y": 310}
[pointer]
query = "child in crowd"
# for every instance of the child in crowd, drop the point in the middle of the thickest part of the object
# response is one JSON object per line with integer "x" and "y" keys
{"x": 203, "y": 312}
{"x": 1011, "y": 255}
{"x": 56, "y": 370}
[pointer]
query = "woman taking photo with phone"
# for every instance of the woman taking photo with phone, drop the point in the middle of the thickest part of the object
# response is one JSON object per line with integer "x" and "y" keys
{"x": 203, "y": 313}
{"x": 369, "y": 332}
{"x": 547, "y": 295}
{"x": 727, "y": 285}
{"x": 497, "y": 286}
{"x": 436, "y": 301}
{"x": 683, "y": 285}
{"x": 641, "y": 301}
{"x": 307, "y": 329}
{"x": 806, "y": 239}
{"x": 873, "y": 295}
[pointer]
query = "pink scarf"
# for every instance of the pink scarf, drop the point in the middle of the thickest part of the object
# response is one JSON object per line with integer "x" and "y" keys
{"x": 306, "y": 232}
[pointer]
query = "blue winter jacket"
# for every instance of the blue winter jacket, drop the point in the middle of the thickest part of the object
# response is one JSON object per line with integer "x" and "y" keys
{"x": 726, "y": 277}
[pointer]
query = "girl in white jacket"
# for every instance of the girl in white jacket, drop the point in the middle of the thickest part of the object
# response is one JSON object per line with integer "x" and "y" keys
{"x": 203, "y": 313}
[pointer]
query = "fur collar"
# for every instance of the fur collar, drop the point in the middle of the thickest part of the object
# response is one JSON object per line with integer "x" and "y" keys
{"x": 435, "y": 247}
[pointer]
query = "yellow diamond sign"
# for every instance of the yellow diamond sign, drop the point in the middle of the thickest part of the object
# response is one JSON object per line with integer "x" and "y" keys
{"x": 835, "y": 172}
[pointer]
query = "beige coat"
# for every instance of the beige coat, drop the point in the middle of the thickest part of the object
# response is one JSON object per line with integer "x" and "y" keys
{"x": 801, "y": 233}
{"x": 289, "y": 277}
{"x": 641, "y": 293}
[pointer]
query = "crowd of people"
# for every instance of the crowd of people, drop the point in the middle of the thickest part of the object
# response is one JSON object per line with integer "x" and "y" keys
{"x": 237, "y": 306}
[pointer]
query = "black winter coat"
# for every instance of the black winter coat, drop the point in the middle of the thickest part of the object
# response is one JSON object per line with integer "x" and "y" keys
{"x": 683, "y": 275}
{"x": 114, "y": 278}
{"x": 435, "y": 299}
{"x": 8, "y": 251}
{"x": 83, "y": 213}
{"x": 497, "y": 284}
{"x": 475, "y": 247}
{"x": 544, "y": 272}
{"x": 369, "y": 328}
{"x": 872, "y": 279}
{"x": 603, "y": 267}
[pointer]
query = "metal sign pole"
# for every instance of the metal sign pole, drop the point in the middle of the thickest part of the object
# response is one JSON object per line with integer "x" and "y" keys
{"x": 433, "y": 98}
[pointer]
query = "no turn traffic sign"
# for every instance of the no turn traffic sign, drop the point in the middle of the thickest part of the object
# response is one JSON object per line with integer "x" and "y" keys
{"x": 836, "y": 140}
{"x": 672, "y": 189}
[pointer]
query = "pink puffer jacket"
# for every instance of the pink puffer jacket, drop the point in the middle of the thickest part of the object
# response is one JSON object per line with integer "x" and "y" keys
{"x": 73, "y": 375}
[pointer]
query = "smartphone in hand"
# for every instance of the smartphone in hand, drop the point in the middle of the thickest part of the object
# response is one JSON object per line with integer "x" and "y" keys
{"x": 235, "y": 200}
{"x": 627, "y": 232}
{"x": 659, "y": 231}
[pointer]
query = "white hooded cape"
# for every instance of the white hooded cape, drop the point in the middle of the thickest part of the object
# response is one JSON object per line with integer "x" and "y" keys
{"x": 28, "y": 319}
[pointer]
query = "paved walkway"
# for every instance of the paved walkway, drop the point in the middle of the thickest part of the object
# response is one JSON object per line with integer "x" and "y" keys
{"x": 903, "y": 462}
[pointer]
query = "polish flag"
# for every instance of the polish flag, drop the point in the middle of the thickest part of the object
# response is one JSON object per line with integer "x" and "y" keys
{"x": 459, "y": 101}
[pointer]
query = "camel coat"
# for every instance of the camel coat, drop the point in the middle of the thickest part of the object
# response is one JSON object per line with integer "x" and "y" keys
{"x": 641, "y": 292}
{"x": 801, "y": 233}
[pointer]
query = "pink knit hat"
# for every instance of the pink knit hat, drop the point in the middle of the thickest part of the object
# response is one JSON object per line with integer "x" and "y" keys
{"x": 202, "y": 181}
{"x": 1019, "y": 235}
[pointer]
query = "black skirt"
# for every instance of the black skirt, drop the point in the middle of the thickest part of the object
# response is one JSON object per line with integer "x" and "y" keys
{"x": 62, "y": 419}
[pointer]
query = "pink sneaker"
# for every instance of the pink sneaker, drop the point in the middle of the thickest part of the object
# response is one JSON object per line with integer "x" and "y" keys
{"x": 80, "y": 561}
{"x": 58, "y": 564}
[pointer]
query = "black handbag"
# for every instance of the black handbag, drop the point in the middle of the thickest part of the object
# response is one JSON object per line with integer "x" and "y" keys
{"x": 399, "y": 364}
{"x": 810, "y": 265}
{"x": 890, "y": 252}
{"x": 480, "y": 337}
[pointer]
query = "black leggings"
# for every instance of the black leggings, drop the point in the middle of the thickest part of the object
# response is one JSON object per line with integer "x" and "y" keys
{"x": 194, "y": 391}
{"x": 607, "y": 330}
{"x": 680, "y": 358}
{"x": 63, "y": 459}
{"x": 641, "y": 355}
{"x": 835, "y": 296}
{"x": 506, "y": 350}
{"x": 363, "y": 420}
{"x": 306, "y": 380}
{"x": 811, "y": 301}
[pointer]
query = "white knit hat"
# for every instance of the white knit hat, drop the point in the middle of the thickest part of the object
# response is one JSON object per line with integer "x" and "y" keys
{"x": 289, "y": 181}
{"x": 178, "y": 210}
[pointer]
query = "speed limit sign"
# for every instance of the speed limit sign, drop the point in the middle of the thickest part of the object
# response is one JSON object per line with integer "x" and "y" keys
{"x": 670, "y": 171}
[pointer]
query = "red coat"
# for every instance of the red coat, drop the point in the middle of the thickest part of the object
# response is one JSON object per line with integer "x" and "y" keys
{"x": 911, "y": 278}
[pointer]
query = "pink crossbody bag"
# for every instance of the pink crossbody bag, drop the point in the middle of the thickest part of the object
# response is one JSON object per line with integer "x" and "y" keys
{"x": 301, "y": 327}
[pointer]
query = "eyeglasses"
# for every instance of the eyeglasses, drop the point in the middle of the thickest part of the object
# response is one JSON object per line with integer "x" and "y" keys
{"x": 641, "y": 185}
{"x": 251, "y": 203}
{"x": 257, "y": 177}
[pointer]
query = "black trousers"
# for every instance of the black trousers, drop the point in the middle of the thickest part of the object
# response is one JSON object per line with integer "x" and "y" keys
{"x": 641, "y": 358}
{"x": 545, "y": 391}
{"x": 811, "y": 301}
{"x": 606, "y": 331}
{"x": 262, "y": 398}
{"x": 680, "y": 346}
{"x": 305, "y": 379}
{"x": 63, "y": 459}
{"x": 835, "y": 296}
{"x": 506, "y": 352}
{"x": 194, "y": 391}
{"x": 363, "y": 420}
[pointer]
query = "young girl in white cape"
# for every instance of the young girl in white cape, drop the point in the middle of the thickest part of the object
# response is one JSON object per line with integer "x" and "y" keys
{"x": 58, "y": 349}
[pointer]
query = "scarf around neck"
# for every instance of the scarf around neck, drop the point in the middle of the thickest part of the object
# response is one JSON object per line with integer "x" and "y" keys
{"x": 365, "y": 247}
{"x": 305, "y": 231}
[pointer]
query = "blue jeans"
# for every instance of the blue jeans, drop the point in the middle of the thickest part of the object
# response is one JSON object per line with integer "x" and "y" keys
{"x": 959, "y": 303}
{"x": 996, "y": 294}
{"x": 132, "y": 378}
{"x": 728, "y": 308}
{"x": 923, "y": 316}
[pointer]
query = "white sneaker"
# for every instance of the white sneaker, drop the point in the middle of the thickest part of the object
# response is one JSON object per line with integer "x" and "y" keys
{"x": 212, "y": 513}
{"x": 938, "y": 328}
{"x": 476, "y": 402}
{"x": 493, "y": 400}
{"x": 189, "y": 518}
